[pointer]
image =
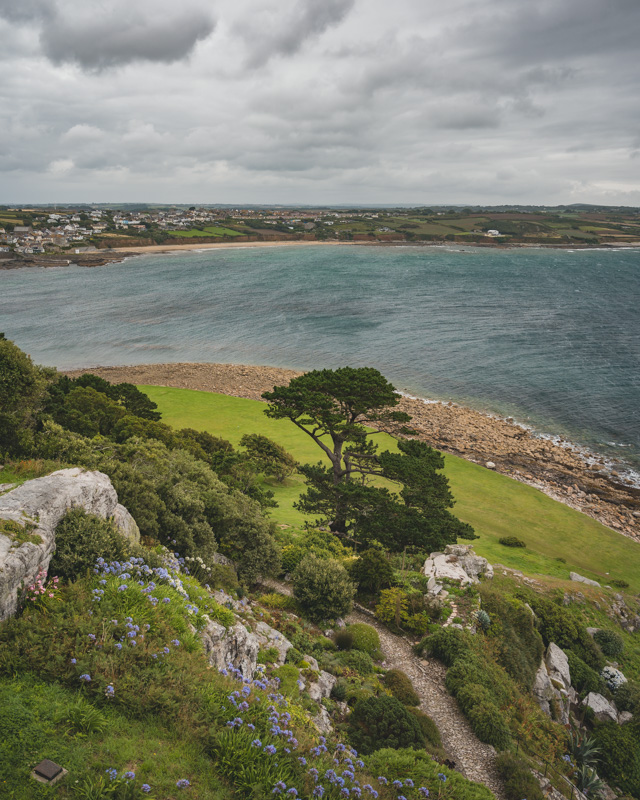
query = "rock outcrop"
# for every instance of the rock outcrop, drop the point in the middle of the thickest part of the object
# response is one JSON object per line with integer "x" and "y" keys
{"x": 39, "y": 505}
{"x": 575, "y": 576}
{"x": 322, "y": 687}
{"x": 270, "y": 637}
{"x": 234, "y": 645}
{"x": 459, "y": 564}
{"x": 603, "y": 710}
{"x": 552, "y": 688}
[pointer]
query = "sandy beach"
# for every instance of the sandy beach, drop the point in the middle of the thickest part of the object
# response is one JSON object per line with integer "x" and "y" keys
{"x": 562, "y": 472}
{"x": 168, "y": 248}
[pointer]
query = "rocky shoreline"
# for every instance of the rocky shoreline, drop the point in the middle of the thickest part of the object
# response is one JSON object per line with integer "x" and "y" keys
{"x": 559, "y": 471}
{"x": 94, "y": 258}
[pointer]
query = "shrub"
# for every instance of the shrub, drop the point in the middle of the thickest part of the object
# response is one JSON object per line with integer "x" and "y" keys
{"x": 447, "y": 644}
{"x": 520, "y": 645}
{"x": 358, "y": 661}
{"x": 472, "y": 694}
{"x": 294, "y": 656}
{"x": 372, "y": 571}
{"x": 290, "y": 557}
{"x": 289, "y": 676}
{"x": 339, "y": 691}
{"x": 483, "y": 620}
{"x": 424, "y": 771}
{"x": 268, "y": 655}
{"x": 628, "y": 697}
{"x": 489, "y": 725}
{"x": 609, "y": 642}
{"x": 392, "y": 606}
{"x": 81, "y": 539}
{"x": 276, "y": 600}
{"x": 518, "y": 779}
{"x": 428, "y": 727}
{"x": 322, "y": 588}
{"x": 619, "y": 583}
{"x": 343, "y": 639}
{"x": 556, "y": 624}
{"x": 620, "y": 755}
{"x": 378, "y": 722}
{"x": 365, "y": 638}
{"x": 400, "y": 686}
{"x": 583, "y": 678}
{"x": 511, "y": 541}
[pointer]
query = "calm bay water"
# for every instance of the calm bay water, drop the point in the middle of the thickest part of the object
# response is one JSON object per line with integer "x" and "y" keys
{"x": 550, "y": 337}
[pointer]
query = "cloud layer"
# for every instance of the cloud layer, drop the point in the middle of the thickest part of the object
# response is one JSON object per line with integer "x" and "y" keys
{"x": 344, "y": 101}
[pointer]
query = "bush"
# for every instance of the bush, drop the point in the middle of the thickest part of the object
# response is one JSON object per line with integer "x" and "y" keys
{"x": 472, "y": 694}
{"x": 428, "y": 727}
{"x": 339, "y": 691}
{"x": 424, "y": 771}
{"x": 322, "y": 588}
{"x": 620, "y": 755}
{"x": 583, "y": 678}
{"x": 81, "y": 539}
{"x": 372, "y": 571}
{"x": 289, "y": 676}
{"x": 365, "y": 638}
{"x": 343, "y": 639}
{"x": 358, "y": 661}
{"x": 517, "y": 778}
{"x": 556, "y": 624}
{"x": 294, "y": 656}
{"x": 489, "y": 725}
{"x": 400, "y": 686}
{"x": 448, "y": 644}
{"x": 378, "y": 722}
{"x": 511, "y": 541}
{"x": 268, "y": 655}
{"x": 392, "y": 606}
{"x": 627, "y": 697}
{"x": 609, "y": 642}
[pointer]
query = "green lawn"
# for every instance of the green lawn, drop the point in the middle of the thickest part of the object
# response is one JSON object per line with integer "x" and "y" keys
{"x": 213, "y": 230}
{"x": 494, "y": 504}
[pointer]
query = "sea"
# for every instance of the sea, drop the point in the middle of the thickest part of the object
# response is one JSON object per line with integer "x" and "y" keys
{"x": 548, "y": 337}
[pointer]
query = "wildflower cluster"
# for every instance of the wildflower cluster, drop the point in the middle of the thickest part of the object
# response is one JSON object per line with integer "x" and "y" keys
{"x": 41, "y": 591}
{"x": 127, "y": 779}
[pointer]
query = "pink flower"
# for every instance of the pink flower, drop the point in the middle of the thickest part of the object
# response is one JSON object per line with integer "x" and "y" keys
{"x": 50, "y": 594}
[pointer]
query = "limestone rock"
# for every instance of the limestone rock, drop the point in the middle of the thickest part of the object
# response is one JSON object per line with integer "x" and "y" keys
{"x": 490, "y": 464}
{"x": 126, "y": 524}
{"x": 311, "y": 661}
{"x": 270, "y": 637}
{"x": 558, "y": 665}
{"x": 581, "y": 579}
{"x": 624, "y": 717}
{"x": 322, "y": 721}
{"x": 43, "y": 502}
{"x": 458, "y": 563}
{"x": 322, "y": 687}
{"x": 234, "y": 646}
{"x": 543, "y": 689}
{"x": 603, "y": 710}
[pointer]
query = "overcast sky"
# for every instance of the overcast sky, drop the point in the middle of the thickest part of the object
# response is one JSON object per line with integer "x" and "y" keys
{"x": 320, "y": 101}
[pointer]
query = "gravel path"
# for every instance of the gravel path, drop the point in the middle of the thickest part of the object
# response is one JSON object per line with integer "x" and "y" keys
{"x": 474, "y": 759}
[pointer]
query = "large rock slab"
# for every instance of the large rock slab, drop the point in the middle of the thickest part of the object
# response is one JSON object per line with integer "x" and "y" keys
{"x": 234, "y": 645}
{"x": 43, "y": 502}
{"x": 575, "y": 576}
{"x": 458, "y": 563}
{"x": 127, "y": 524}
{"x": 270, "y": 637}
{"x": 558, "y": 666}
{"x": 322, "y": 687}
{"x": 543, "y": 690}
{"x": 603, "y": 710}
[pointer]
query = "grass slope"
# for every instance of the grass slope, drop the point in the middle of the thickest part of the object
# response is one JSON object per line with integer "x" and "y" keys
{"x": 494, "y": 504}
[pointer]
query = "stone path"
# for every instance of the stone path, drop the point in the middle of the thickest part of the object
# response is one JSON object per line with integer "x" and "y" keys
{"x": 474, "y": 759}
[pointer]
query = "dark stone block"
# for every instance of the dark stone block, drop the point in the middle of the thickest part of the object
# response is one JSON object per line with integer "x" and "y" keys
{"x": 48, "y": 770}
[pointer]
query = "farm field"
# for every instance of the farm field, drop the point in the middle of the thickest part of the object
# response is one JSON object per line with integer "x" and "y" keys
{"x": 559, "y": 539}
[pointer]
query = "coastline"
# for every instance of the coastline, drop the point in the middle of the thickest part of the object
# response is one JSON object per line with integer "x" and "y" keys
{"x": 561, "y": 471}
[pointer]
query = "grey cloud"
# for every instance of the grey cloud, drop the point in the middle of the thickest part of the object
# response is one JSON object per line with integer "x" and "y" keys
{"x": 277, "y": 34}
{"x": 22, "y": 11}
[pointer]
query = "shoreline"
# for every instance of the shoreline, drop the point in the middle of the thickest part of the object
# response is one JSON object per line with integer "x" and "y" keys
{"x": 561, "y": 471}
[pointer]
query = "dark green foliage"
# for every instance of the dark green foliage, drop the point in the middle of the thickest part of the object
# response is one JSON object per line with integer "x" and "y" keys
{"x": 343, "y": 639}
{"x": 398, "y": 764}
{"x": 294, "y": 656}
{"x": 619, "y": 583}
{"x": 471, "y": 694}
{"x": 400, "y": 686}
{"x": 489, "y": 725}
{"x": 288, "y": 675}
{"x": 520, "y": 645}
{"x": 620, "y": 755}
{"x": 627, "y": 697}
{"x": 322, "y": 588}
{"x": 518, "y": 779}
{"x": 339, "y": 691}
{"x": 447, "y": 644}
{"x": 378, "y": 722}
{"x": 511, "y": 541}
{"x": 358, "y": 661}
{"x": 610, "y": 642}
{"x": 268, "y": 456}
{"x": 583, "y": 678}
{"x": 372, "y": 571}
{"x": 81, "y": 539}
{"x": 557, "y": 624}
{"x": 364, "y": 637}
{"x": 428, "y": 727}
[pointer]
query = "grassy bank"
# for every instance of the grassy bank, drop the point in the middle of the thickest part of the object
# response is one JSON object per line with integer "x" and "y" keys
{"x": 559, "y": 539}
